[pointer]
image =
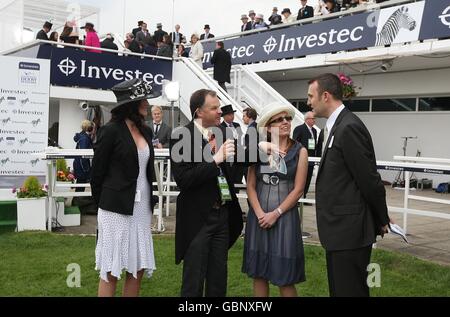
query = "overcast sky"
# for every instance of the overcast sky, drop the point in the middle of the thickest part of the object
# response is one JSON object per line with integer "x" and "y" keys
{"x": 120, "y": 16}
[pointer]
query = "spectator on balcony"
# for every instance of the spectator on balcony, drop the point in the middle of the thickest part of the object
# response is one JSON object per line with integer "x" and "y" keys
{"x": 69, "y": 34}
{"x": 151, "y": 49}
{"x": 260, "y": 24}
{"x": 196, "y": 52}
{"x": 144, "y": 36}
{"x": 108, "y": 43}
{"x": 246, "y": 24}
{"x": 177, "y": 37}
{"x": 305, "y": 11}
{"x": 54, "y": 36}
{"x": 182, "y": 51}
{"x": 139, "y": 28}
{"x": 330, "y": 7}
{"x": 82, "y": 166}
{"x": 275, "y": 18}
{"x": 287, "y": 16}
{"x": 206, "y": 35}
{"x": 221, "y": 60}
{"x": 132, "y": 44}
{"x": 252, "y": 16}
{"x": 42, "y": 34}
{"x": 165, "y": 48}
{"x": 159, "y": 33}
{"x": 92, "y": 39}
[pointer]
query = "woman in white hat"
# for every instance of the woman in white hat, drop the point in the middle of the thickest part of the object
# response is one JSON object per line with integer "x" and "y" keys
{"x": 273, "y": 246}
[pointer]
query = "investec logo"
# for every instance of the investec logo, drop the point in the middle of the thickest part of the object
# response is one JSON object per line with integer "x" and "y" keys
{"x": 68, "y": 68}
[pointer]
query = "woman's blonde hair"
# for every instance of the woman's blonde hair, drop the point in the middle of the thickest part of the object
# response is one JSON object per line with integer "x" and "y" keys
{"x": 86, "y": 125}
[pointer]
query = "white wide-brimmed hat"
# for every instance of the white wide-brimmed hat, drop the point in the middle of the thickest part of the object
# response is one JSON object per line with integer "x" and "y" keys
{"x": 273, "y": 109}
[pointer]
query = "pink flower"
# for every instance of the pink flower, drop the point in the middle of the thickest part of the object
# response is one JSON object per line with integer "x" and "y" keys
{"x": 14, "y": 190}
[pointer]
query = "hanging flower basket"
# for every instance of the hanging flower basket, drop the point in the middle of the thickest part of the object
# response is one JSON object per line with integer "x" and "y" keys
{"x": 348, "y": 86}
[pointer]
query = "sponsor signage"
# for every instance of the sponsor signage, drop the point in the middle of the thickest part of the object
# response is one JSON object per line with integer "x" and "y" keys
{"x": 24, "y": 109}
{"x": 437, "y": 17}
{"x": 398, "y": 24}
{"x": 72, "y": 67}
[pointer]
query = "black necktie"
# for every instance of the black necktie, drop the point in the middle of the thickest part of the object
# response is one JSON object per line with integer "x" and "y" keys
{"x": 156, "y": 128}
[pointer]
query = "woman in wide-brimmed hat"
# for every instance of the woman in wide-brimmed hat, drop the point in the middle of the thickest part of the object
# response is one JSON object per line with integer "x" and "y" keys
{"x": 273, "y": 247}
{"x": 122, "y": 173}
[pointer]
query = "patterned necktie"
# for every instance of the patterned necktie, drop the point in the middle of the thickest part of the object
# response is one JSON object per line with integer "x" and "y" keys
{"x": 212, "y": 143}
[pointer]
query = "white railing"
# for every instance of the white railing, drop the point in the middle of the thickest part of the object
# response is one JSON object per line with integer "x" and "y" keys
{"x": 431, "y": 164}
{"x": 250, "y": 89}
{"x": 62, "y": 190}
{"x": 193, "y": 78}
{"x": 166, "y": 186}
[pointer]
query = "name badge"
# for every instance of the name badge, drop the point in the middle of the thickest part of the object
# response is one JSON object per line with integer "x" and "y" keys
{"x": 137, "y": 197}
{"x": 311, "y": 144}
{"x": 225, "y": 194}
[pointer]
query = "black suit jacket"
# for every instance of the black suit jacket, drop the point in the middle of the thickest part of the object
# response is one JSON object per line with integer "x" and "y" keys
{"x": 350, "y": 196}
{"x": 301, "y": 134}
{"x": 41, "y": 35}
{"x": 236, "y": 125}
{"x": 210, "y": 36}
{"x": 198, "y": 192}
{"x": 252, "y": 131}
{"x": 246, "y": 27}
{"x": 307, "y": 13}
{"x": 221, "y": 60}
{"x": 115, "y": 168}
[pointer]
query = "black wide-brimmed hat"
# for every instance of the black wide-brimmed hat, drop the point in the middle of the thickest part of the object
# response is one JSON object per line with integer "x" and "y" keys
{"x": 132, "y": 90}
{"x": 227, "y": 110}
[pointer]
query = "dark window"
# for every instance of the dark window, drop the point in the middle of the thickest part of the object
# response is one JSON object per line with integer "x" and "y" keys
{"x": 303, "y": 106}
{"x": 294, "y": 103}
{"x": 434, "y": 104}
{"x": 394, "y": 104}
{"x": 358, "y": 105}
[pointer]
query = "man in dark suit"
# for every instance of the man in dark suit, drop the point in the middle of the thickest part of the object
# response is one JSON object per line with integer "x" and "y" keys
{"x": 305, "y": 11}
{"x": 246, "y": 24}
{"x": 208, "y": 215}
{"x": 42, "y": 34}
{"x": 161, "y": 131}
{"x": 221, "y": 60}
{"x": 306, "y": 134}
{"x": 233, "y": 129}
{"x": 159, "y": 33}
{"x": 138, "y": 29}
{"x": 350, "y": 196}
{"x": 206, "y": 35}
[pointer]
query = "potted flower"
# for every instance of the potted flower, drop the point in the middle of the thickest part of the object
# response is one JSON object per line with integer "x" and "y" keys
{"x": 31, "y": 205}
{"x": 63, "y": 173}
{"x": 348, "y": 87}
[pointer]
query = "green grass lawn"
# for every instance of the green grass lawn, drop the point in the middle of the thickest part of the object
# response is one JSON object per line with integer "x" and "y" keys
{"x": 34, "y": 264}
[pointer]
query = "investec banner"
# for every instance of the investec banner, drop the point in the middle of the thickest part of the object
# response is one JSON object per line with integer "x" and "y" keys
{"x": 72, "y": 67}
{"x": 24, "y": 104}
{"x": 397, "y": 24}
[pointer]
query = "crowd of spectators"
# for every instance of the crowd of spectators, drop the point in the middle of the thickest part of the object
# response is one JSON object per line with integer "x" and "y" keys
{"x": 161, "y": 43}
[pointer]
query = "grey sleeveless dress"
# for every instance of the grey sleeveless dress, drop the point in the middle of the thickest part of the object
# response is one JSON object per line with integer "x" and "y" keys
{"x": 275, "y": 254}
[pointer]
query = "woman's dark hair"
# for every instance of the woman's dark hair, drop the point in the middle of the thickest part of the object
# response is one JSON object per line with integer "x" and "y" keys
{"x": 66, "y": 32}
{"x": 129, "y": 111}
{"x": 54, "y": 36}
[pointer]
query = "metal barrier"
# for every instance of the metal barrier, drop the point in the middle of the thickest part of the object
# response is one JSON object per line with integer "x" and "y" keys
{"x": 166, "y": 187}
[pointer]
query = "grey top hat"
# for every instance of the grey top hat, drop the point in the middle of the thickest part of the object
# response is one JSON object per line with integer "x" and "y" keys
{"x": 132, "y": 90}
